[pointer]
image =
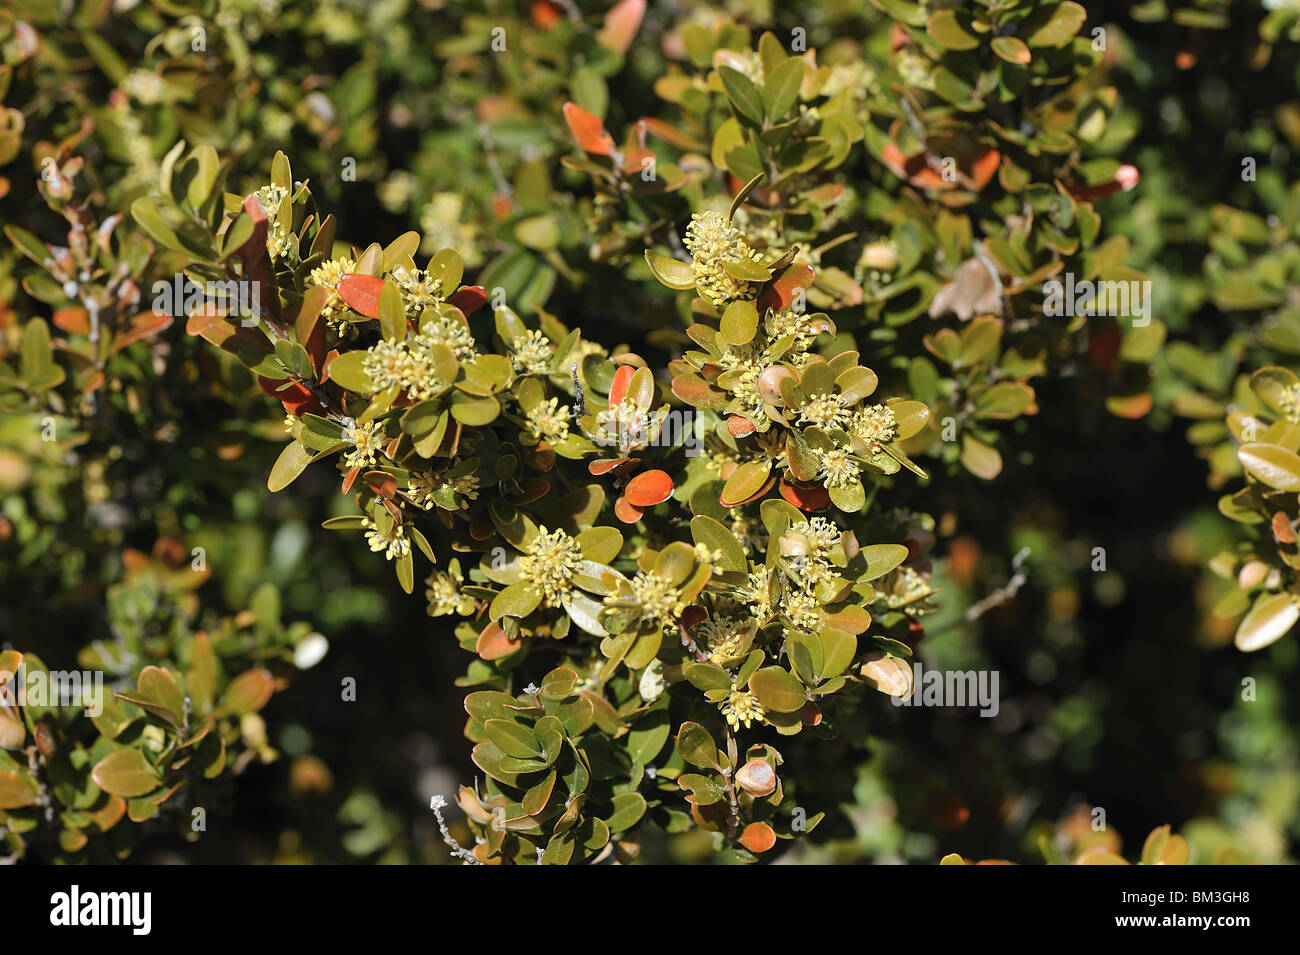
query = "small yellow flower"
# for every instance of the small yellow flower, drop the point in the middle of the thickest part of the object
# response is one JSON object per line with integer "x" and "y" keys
{"x": 327, "y": 275}
{"x": 838, "y": 467}
{"x": 532, "y": 355}
{"x": 278, "y": 237}
{"x": 550, "y": 562}
{"x": 825, "y": 411}
{"x": 393, "y": 546}
{"x": 366, "y": 440}
{"x": 443, "y": 593}
{"x": 419, "y": 289}
{"x": 549, "y": 422}
{"x": 713, "y": 242}
{"x": 875, "y": 425}
{"x": 446, "y": 330}
{"x": 659, "y": 601}
{"x": 741, "y": 706}
{"x": 722, "y": 638}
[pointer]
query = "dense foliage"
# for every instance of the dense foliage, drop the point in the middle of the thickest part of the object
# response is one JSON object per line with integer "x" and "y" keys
{"x": 689, "y": 369}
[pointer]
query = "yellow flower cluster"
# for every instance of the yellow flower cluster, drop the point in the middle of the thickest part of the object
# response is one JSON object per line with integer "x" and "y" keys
{"x": 444, "y": 596}
{"x": 393, "y": 546}
{"x": 366, "y": 440}
{"x": 659, "y": 601}
{"x": 447, "y": 331}
{"x": 838, "y": 467}
{"x": 278, "y": 236}
{"x": 407, "y": 366}
{"x": 533, "y": 354}
{"x": 419, "y": 289}
{"x": 722, "y": 638}
{"x": 712, "y": 242}
{"x": 874, "y": 425}
{"x": 548, "y": 421}
{"x": 742, "y": 707}
{"x": 327, "y": 275}
{"x": 825, "y": 411}
{"x": 549, "y": 563}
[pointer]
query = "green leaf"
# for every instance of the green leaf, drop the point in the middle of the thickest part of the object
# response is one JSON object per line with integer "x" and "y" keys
{"x": 743, "y": 94}
{"x": 1275, "y": 466}
{"x": 513, "y": 739}
{"x": 696, "y": 745}
{"x": 778, "y": 690}
{"x": 669, "y": 271}
{"x": 781, "y": 87}
{"x": 714, "y": 536}
{"x": 881, "y": 559}
{"x": 125, "y": 773}
{"x": 739, "y": 323}
{"x": 1272, "y": 618}
{"x": 346, "y": 372}
{"x": 517, "y": 600}
{"x": 292, "y": 461}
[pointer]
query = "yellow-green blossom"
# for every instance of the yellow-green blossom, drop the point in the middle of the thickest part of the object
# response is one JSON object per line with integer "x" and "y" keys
{"x": 549, "y": 563}
{"x": 712, "y": 243}
{"x": 547, "y": 421}
{"x": 742, "y": 707}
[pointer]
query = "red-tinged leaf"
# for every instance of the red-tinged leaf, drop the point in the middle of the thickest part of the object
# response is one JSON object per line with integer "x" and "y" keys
{"x": 916, "y": 169}
{"x": 142, "y": 326}
{"x": 621, "y": 23}
{"x": 758, "y": 837}
{"x": 618, "y": 387}
{"x": 740, "y": 426}
{"x": 361, "y": 293}
{"x": 350, "y": 478}
{"x": 383, "y": 484}
{"x": 635, "y": 161}
{"x": 546, "y": 13}
{"x": 648, "y": 489}
{"x": 671, "y": 135}
{"x": 810, "y": 714}
{"x": 603, "y": 466}
{"x": 494, "y": 643}
{"x": 1283, "y": 532}
{"x": 626, "y": 511}
{"x": 984, "y": 167}
{"x": 780, "y": 292}
{"x": 815, "y": 498}
{"x": 588, "y": 130}
{"x": 1126, "y": 177}
{"x": 296, "y": 398}
{"x": 469, "y": 299}
{"x": 73, "y": 319}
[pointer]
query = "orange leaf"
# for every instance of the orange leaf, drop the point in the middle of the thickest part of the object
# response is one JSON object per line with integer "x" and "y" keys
{"x": 469, "y": 299}
{"x": 648, "y": 489}
{"x": 493, "y": 643}
{"x": 618, "y": 387}
{"x": 589, "y": 130}
{"x": 780, "y": 292}
{"x": 626, "y": 511}
{"x": 621, "y": 24}
{"x": 361, "y": 292}
{"x": 740, "y": 426}
{"x": 758, "y": 837}
{"x": 813, "y": 498}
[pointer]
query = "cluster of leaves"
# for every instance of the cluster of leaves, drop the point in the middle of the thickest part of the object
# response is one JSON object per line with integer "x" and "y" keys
{"x": 947, "y": 180}
{"x": 903, "y": 198}
{"x": 169, "y": 715}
